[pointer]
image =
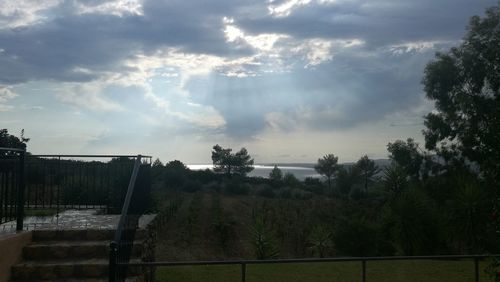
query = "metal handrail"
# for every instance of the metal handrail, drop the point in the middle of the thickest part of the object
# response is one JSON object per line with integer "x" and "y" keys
{"x": 114, "y": 246}
{"x": 305, "y": 260}
{"x": 128, "y": 197}
{"x": 363, "y": 261}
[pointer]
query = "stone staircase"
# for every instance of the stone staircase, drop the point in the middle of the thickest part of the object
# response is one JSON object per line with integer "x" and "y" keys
{"x": 71, "y": 255}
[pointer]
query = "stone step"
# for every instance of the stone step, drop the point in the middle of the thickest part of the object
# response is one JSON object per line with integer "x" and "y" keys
{"x": 78, "y": 235}
{"x": 65, "y": 269}
{"x": 46, "y": 250}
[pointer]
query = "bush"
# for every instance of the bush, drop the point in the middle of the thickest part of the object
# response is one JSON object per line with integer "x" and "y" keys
{"x": 266, "y": 191}
{"x": 236, "y": 187}
{"x": 204, "y": 176}
{"x": 357, "y": 193}
{"x": 356, "y": 236}
{"x": 192, "y": 186}
{"x": 290, "y": 180}
{"x": 285, "y": 193}
{"x": 299, "y": 194}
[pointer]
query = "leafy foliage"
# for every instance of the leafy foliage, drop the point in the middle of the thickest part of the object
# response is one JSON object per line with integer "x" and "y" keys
{"x": 368, "y": 170}
{"x": 464, "y": 83}
{"x": 407, "y": 156}
{"x": 225, "y": 162}
{"x": 320, "y": 240}
{"x": 263, "y": 240}
{"x": 327, "y": 166}
{"x": 10, "y": 141}
{"x": 276, "y": 174}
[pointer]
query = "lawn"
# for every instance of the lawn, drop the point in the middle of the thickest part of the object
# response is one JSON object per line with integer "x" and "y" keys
{"x": 380, "y": 271}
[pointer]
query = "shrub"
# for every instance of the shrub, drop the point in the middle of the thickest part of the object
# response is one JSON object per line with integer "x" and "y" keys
{"x": 236, "y": 187}
{"x": 192, "y": 186}
{"x": 266, "y": 191}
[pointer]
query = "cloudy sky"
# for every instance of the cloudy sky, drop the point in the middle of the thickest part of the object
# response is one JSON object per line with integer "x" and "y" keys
{"x": 289, "y": 80}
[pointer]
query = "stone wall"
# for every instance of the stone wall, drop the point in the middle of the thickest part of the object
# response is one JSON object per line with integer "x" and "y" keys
{"x": 11, "y": 248}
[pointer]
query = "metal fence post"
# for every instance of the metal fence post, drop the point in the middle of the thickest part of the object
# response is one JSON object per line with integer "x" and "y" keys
{"x": 113, "y": 252}
{"x": 363, "y": 270}
{"x": 243, "y": 272}
{"x": 476, "y": 269}
{"x": 20, "y": 193}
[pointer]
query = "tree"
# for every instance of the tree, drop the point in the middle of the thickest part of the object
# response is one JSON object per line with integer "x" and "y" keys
{"x": 395, "y": 180}
{"x": 239, "y": 163}
{"x": 464, "y": 83}
{"x": 327, "y": 166}
{"x": 276, "y": 174}
{"x": 175, "y": 174}
{"x": 368, "y": 169}
{"x": 10, "y": 141}
{"x": 157, "y": 163}
{"x": 407, "y": 155}
{"x": 347, "y": 177}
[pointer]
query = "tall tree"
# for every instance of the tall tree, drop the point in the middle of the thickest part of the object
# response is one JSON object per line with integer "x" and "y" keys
{"x": 407, "y": 155}
{"x": 327, "y": 166}
{"x": 464, "y": 83}
{"x": 224, "y": 161}
{"x": 368, "y": 169}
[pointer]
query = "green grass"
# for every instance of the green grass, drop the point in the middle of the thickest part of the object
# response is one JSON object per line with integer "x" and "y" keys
{"x": 40, "y": 212}
{"x": 380, "y": 271}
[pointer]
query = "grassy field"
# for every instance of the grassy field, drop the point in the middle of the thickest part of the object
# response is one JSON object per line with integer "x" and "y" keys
{"x": 408, "y": 271}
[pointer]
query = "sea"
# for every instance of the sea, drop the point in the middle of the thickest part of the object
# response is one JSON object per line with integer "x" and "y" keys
{"x": 263, "y": 170}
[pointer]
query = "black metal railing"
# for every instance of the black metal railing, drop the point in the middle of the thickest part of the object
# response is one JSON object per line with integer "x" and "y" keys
{"x": 135, "y": 204}
{"x": 363, "y": 261}
{"x": 59, "y": 182}
{"x": 12, "y": 185}
{"x": 77, "y": 181}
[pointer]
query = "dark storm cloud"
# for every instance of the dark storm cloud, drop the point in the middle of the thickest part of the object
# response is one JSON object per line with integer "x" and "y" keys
{"x": 379, "y": 22}
{"x": 53, "y": 49}
{"x": 360, "y": 85}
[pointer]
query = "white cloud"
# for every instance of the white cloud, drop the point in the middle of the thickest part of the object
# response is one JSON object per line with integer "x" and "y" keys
{"x": 19, "y": 13}
{"x": 284, "y": 9}
{"x": 278, "y": 52}
{"x": 113, "y": 7}
{"x": 6, "y": 94}
{"x": 415, "y": 46}
{"x": 87, "y": 95}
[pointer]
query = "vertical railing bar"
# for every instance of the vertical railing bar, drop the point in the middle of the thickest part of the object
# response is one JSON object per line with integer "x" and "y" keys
{"x": 51, "y": 183}
{"x": 476, "y": 269}
{"x": 20, "y": 193}
{"x": 3, "y": 203}
{"x": 37, "y": 185}
{"x": 1, "y": 192}
{"x": 44, "y": 182}
{"x": 8, "y": 195}
{"x": 4, "y": 193}
{"x": 243, "y": 272}
{"x": 59, "y": 184}
{"x": 27, "y": 189}
{"x": 86, "y": 176}
{"x": 113, "y": 253}
{"x": 363, "y": 270}
{"x": 80, "y": 184}
{"x": 108, "y": 180}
